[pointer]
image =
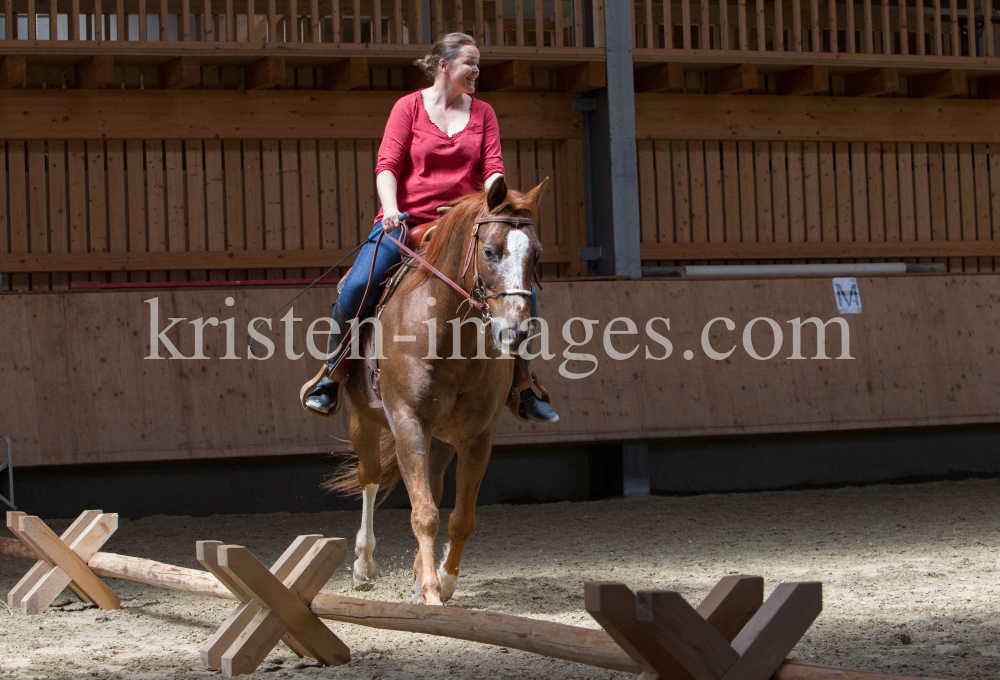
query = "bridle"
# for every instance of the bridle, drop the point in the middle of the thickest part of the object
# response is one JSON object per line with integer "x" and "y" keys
{"x": 480, "y": 293}
{"x": 479, "y": 290}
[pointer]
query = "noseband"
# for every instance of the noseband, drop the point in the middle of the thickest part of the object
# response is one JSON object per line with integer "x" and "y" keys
{"x": 479, "y": 290}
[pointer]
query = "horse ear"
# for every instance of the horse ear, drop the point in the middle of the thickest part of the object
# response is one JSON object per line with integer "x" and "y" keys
{"x": 497, "y": 193}
{"x": 535, "y": 195}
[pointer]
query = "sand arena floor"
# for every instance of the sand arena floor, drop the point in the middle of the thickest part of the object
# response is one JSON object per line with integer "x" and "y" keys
{"x": 910, "y": 577}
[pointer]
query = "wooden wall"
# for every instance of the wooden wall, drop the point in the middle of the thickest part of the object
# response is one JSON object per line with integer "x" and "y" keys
{"x": 75, "y": 388}
{"x": 156, "y": 208}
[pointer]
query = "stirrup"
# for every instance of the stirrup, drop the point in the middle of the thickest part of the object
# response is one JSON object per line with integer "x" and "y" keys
{"x": 311, "y": 385}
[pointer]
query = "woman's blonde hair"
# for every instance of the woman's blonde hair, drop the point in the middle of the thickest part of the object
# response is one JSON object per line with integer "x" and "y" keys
{"x": 446, "y": 48}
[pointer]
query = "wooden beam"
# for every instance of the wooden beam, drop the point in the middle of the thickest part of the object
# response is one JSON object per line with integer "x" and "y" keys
{"x": 179, "y": 73}
{"x": 872, "y": 83}
{"x": 582, "y": 77}
{"x": 506, "y": 76}
{"x": 12, "y": 71}
{"x": 265, "y": 73}
{"x": 95, "y": 72}
{"x": 803, "y": 80}
{"x": 818, "y": 250}
{"x": 274, "y": 114}
{"x": 731, "y": 79}
{"x": 820, "y": 119}
{"x": 347, "y": 74}
{"x": 948, "y": 83}
{"x": 988, "y": 88}
{"x": 660, "y": 77}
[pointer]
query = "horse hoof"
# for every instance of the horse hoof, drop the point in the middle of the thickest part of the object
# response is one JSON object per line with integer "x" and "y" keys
{"x": 363, "y": 585}
{"x": 448, "y": 582}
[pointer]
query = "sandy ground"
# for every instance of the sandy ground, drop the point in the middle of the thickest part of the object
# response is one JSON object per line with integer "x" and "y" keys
{"x": 910, "y": 578}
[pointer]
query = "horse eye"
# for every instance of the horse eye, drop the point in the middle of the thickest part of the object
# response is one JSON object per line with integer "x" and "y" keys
{"x": 491, "y": 254}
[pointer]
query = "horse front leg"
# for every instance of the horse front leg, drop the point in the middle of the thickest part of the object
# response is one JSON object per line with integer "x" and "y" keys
{"x": 413, "y": 445}
{"x": 462, "y": 522}
{"x": 365, "y": 437}
{"x": 441, "y": 455}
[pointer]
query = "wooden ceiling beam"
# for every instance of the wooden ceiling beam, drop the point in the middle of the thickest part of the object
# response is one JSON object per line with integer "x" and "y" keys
{"x": 803, "y": 80}
{"x": 96, "y": 72}
{"x": 265, "y": 73}
{"x": 872, "y": 83}
{"x": 731, "y": 79}
{"x": 660, "y": 77}
{"x": 347, "y": 74}
{"x": 947, "y": 83}
{"x": 12, "y": 71}
{"x": 179, "y": 73}
{"x": 507, "y": 76}
{"x": 582, "y": 77}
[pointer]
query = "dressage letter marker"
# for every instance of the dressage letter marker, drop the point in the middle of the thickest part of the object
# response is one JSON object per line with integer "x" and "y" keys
{"x": 275, "y": 604}
{"x": 62, "y": 561}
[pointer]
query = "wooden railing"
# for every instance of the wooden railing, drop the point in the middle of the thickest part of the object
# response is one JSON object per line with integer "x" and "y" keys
{"x": 888, "y": 27}
{"x": 530, "y": 23}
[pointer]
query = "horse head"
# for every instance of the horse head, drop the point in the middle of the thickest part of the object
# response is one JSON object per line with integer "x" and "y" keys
{"x": 507, "y": 252}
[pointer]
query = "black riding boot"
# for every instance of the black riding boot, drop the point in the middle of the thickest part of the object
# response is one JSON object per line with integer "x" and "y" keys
{"x": 323, "y": 397}
{"x": 531, "y": 407}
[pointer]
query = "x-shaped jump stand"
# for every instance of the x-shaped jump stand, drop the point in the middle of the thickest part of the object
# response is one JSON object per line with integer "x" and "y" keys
{"x": 732, "y": 635}
{"x": 62, "y": 561}
{"x": 275, "y": 604}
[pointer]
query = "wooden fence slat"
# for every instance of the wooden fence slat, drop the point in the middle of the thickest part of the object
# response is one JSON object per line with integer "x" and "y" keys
{"x": 779, "y": 190}
{"x": 164, "y": 21}
{"x": 748, "y": 201}
{"x": 347, "y": 174}
{"x": 328, "y": 191}
{"x": 742, "y": 19}
{"x": 479, "y": 22}
{"x": 174, "y": 174}
{"x": 982, "y": 229}
{"x": 851, "y": 46}
{"x": 921, "y": 47}
{"x": 135, "y": 177}
{"x": 988, "y": 28}
{"x": 845, "y": 213}
{"x": 270, "y": 152}
{"x": 156, "y": 202}
{"x": 97, "y": 202}
{"x": 682, "y": 192}
{"x": 539, "y": 23}
{"x": 705, "y": 42}
{"x": 731, "y": 191}
{"x": 686, "y": 24}
{"x": 549, "y": 227}
{"x": 810, "y": 180}
{"x": 252, "y": 215}
{"x": 4, "y": 224}
{"x": 38, "y": 213}
{"x": 235, "y": 221}
{"x": 117, "y": 204}
{"x": 886, "y": 28}
{"x": 953, "y": 195}
{"x": 797, "y": 26}
{"x": 921, "y": 194}
{"x": 938, "y": 30}
{"x": 967, "y": 196}
{"x": 699, "y": 207}
{"x": 956, "y": 45}
{"x": 311, "y": 239}
{"x": 723, "y": 23}
{"x": 876, "y": 200}
{"x": 291, "y": 189}
{"x": 907, "y": 216}
{"x": 665, "y": 224}
{"x": 859, "y": 191}
{"x": 714, "y": 193}
{"x": 648, "y": 190}
{"x": 779, "y": 25}
{"x": 194, "y": 171}
{"x": 215, "y": 202}
{"x": 18, "y": 205}
{"x": 58, "y": 211}
{"x": 796, "y": 194}
{"x": 762, "y": 169}
{"x": 832, "y": 18}
{"x": 904, "y": 35}
{"x": 817, "y": 40}
{"x": 335, "y": 19}
{"x": 869, "y": 31}
{"x": 230, "y": 19}
{"x": 890, "y": 188}
{"x": 76, "y": 162}
{"x": 994, "y": 195}
{"x": 827, "y": 191}
{"x": 939, "y": 208}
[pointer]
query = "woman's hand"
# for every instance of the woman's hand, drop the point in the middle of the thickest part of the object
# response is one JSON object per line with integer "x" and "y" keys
{"x": 391, "y": 221}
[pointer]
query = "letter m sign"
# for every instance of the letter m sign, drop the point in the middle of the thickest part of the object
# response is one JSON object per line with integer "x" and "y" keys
{"x": 845, "y": 291}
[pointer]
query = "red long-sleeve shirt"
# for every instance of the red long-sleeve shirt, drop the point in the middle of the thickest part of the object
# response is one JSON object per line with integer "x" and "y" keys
{"x": 432, "y": 168}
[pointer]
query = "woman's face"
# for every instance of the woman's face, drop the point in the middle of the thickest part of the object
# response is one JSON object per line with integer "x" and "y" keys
{"x": 462, "y": 71}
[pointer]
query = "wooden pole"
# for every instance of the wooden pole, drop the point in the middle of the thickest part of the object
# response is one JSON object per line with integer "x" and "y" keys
{"x": 583, "y": 645}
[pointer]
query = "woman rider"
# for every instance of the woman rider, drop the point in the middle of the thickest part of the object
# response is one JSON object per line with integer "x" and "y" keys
{"x": 439, "y": 144}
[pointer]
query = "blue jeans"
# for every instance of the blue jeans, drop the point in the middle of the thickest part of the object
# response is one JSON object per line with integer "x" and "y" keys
{"x": 350, "y": 299}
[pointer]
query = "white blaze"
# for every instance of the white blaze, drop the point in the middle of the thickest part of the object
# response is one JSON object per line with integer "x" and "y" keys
{"x": 511, "y": 267}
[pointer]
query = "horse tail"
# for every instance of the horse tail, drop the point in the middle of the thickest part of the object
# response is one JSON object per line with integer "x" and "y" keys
{"x": 345, "y": 480}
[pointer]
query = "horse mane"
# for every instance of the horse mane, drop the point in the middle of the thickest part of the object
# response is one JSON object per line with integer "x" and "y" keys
{"x": 463, "y": 212}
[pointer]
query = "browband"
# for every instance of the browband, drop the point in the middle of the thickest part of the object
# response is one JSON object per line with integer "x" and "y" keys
{"x": 483, "y": 219}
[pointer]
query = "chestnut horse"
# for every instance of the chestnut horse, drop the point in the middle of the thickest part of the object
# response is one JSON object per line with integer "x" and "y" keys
{"x": 441, "y": 401}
